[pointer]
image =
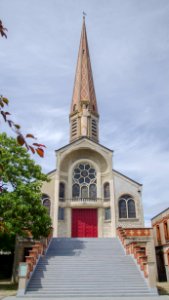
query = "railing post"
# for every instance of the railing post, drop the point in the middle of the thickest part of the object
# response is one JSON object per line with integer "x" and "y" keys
{"x": 23, "y": 277}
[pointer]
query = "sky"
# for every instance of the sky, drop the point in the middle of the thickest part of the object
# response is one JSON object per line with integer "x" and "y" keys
{"x": 129, "y": 50}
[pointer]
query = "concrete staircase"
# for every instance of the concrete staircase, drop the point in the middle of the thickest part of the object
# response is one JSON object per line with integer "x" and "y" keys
{"x": 87, "y": 267}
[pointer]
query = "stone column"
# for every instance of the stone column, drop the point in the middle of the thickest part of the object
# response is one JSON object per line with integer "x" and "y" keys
{"x": 55, "y": 206}
{"x": 113, "y": 207}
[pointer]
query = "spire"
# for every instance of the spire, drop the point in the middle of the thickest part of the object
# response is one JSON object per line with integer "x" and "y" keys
{"x": 84, "y": 86}
{"x": 84, "y": 113}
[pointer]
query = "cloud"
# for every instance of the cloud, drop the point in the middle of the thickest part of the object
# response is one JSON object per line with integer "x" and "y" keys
{"x": 129, "y": 47}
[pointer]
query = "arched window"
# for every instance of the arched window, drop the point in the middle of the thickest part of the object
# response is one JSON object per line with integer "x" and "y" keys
{"x": 127, "y": 207}
{"x": 122, "y": 209}
{"x": 106, "y": 188}
{"x": 61, "y": 191}
{"x": 84, "y": 181}
{"x": 75, "y": 190}
{"x": 131, "y": 208}
{"x": 46, "y": 202}
{"x": 92, "y": 191}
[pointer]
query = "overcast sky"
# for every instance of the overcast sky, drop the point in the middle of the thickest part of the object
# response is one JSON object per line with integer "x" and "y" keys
{"x": 129, "y": 49}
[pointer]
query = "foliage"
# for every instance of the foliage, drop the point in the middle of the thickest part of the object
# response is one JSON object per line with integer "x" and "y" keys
{"x": 21, "y": 139}
{"x": 2, "y": 30}
{"x": 21, "y": 211}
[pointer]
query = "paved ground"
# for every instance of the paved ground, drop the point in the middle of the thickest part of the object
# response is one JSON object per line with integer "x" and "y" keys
{"x": 93, "y": 298}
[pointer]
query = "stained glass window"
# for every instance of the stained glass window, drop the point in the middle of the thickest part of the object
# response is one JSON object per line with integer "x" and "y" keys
{"x": 76, "y": 190}
{"x": 92, "y": 191}
{"x": 84, "y": 181}
{"x": 131, "y": 209}
{"x": 84, "y": 191}
{"x": 127, "y": 207}
{"x": 122, "y": 209}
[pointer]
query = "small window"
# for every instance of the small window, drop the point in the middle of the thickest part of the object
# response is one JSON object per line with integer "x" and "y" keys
{"x": 46, "y": 202}
{"x": 61, "y": 191}
{"x": 107, "y": 215}
{"x": 61, "y": 214}
{"x": 158, "y": 234}
{"x": 106, "y": 191}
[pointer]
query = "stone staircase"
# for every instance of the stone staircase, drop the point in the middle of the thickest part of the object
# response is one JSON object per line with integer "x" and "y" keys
{"x": 87, "y": 267}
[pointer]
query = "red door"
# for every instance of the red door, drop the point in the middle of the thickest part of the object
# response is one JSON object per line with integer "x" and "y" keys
{"x": 84, "y": 222}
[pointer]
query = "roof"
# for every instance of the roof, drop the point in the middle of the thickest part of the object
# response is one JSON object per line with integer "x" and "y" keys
{"x": 83, "y": 138}
{"x": 51, "y": 172}
{"x": 160, "y": 213}
{"x": 127, "y": 177}
{"x": 84, "y": 90}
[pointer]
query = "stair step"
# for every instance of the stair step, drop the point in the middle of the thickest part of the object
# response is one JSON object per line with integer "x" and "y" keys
{"x": 86, "y": 267}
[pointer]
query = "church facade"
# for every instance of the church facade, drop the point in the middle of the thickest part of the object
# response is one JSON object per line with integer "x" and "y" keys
{"x": 86, "y": 197}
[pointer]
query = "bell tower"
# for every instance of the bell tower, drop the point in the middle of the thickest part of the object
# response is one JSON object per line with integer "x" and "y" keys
{"x": 84, "y": 115}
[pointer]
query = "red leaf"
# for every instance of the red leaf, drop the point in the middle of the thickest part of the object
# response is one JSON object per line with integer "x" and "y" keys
{"x": 39, "y": 145}
{"x": 40, "y": 152}
{"x": 29, "y": 135}
{"x": 32, "y": 149}
{"x": 4, "y": 115}
{"x": 21, "y": 140}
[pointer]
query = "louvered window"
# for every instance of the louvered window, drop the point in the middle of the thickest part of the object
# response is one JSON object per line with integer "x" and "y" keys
{"x": 74, "y": 127}
{"x": 94, "y": 129}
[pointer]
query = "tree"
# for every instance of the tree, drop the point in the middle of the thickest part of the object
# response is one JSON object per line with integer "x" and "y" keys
{"x": 21, "y": 211}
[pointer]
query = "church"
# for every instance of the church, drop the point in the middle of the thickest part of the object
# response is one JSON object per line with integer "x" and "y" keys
{"x": 86, "y": 197}
{"x": 99, "y": 245}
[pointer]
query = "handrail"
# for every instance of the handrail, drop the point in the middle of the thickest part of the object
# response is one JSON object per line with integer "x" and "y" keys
{"x": 26, "y": 269}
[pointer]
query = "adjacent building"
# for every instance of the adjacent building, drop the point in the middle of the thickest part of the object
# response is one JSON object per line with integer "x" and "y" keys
{"x": 160, "y": 224}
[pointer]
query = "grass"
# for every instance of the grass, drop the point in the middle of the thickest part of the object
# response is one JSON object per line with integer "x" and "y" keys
{"x": 163, "y": 288}
{"x": 7, "y": 289}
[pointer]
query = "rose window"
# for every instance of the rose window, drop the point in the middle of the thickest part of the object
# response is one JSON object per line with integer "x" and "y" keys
{"x": 84, "y": 181}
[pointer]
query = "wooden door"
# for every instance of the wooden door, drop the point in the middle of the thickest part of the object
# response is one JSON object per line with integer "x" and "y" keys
{"x": 84, "y": 223}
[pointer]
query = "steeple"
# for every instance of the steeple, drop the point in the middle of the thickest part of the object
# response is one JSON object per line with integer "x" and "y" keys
{"x": 84, "y": 112}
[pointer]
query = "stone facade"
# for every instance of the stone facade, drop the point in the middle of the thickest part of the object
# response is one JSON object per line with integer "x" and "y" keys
{"x": 87, "y": 151}
{"x": 160, "y": 224}
{"x": 116, "y": 197}
{"x": 84, "y": 180}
